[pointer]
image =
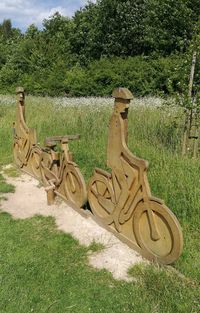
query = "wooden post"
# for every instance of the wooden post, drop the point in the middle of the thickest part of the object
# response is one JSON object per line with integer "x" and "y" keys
{"x": 193, "y": 115}
{"x": 192, "y": 74}
{"x": 50, "y": 194}
{"x": 189, "y": 113}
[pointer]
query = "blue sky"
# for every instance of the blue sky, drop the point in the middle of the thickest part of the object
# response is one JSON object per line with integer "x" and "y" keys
{"x": 25, "y": 12}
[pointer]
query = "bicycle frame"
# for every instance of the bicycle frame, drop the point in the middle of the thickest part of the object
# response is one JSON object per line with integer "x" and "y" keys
{"x": 58, "y": 162}
{"x": 60, "y": 174}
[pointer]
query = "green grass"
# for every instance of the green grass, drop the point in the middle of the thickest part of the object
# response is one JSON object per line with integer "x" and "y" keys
{"x": 44, "y": 270}
{"x": 4, "y": 187}
{"x": 11, "y": 171}
{"x": 47, "y": 271}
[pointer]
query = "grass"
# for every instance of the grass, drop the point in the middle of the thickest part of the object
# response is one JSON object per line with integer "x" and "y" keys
{"x": 11, "y": 171}
{"x": 4, "y": 187}
{"x": 43, "y": 270}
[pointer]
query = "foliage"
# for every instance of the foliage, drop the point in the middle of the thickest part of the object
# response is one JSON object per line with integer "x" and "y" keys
{"x": 170, "y": 25}
{"x": 133, "y": 27}
{"x": 151, "y": 36}
{"x": 84, "y": 43}
{"x": 141, "y": 75}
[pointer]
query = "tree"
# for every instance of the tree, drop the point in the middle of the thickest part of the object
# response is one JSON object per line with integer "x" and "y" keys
{"x": 6, "y": 29}
{"x": 168, "y": 26}
{"x": 84, "y": 39}
{"x": 56, "y": 34}
{"x": 150, "y": 34}
{"x": 108, "y": 28}
{"x": 121, "y": 27}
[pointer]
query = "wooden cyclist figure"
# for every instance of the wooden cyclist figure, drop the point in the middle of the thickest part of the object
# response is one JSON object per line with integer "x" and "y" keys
{"x": 122, "y": 200}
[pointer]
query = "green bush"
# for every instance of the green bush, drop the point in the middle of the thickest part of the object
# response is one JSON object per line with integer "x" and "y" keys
{"x": 141, "y": 75}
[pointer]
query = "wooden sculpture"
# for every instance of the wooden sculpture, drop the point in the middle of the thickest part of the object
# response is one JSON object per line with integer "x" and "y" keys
{"x": 25, "y": 148}
{"x": 122, "y": 200}
{"x": 56, "y": 170}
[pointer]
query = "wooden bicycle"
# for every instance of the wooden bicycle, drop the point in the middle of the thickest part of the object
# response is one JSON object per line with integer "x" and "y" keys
{"x": 60, "y": 173}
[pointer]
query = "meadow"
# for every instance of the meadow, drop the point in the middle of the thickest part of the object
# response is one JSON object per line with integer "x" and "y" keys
{"x": 43, "y": 270}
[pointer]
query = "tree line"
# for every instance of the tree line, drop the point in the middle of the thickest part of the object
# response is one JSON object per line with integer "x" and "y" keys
{"x": 145, "y": 45}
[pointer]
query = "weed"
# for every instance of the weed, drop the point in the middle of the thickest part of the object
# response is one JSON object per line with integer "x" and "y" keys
{"x": 95, "y": 247}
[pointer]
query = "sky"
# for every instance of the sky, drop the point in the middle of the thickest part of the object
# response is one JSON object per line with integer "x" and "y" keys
{"x": 25, "y": 12}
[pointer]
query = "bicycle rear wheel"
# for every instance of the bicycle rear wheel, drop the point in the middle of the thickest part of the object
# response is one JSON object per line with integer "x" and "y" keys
{"x": 74, "y": 185}
{"x": 46, "y": 163}
{"x": 101, "y": 197}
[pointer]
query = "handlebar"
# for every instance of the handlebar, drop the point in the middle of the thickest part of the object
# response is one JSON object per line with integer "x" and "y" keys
{"x": 52, "y": 141}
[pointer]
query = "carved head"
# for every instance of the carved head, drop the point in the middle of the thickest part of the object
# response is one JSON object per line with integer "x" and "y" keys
{"x": 20, "y": 93}
{"x": 122, "y": 99}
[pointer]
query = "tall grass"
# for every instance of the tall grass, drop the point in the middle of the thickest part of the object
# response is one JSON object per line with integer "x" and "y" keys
{"x": 154, "y": 134}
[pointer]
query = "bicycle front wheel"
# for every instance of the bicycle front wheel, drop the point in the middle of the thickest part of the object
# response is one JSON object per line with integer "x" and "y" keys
{"x": 168, "y": 246}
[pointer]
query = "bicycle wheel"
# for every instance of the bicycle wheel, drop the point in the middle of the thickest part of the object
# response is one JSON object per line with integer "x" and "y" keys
{"x": 101, "y": 197}
{"x": 169, "y": 246}
{"x": 74, "y": 185}
{"x": 34, "y": 161}
{"x": 45, "y": 165}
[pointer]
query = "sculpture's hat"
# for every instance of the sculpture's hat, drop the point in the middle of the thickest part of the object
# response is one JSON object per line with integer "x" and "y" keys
{"x": 122, "y": 93}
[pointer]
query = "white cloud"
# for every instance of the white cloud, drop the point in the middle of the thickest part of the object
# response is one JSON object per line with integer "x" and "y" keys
{"x": 9, "y": 6}
{"x": 46, "y": 13}
{"x": 25, "y": 12}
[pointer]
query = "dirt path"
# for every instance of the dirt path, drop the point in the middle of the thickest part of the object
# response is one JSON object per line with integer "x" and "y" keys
{"x": 29, "y": 199}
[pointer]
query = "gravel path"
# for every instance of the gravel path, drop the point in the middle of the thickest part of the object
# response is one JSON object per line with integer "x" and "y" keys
{"x": 29, "y": 200}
